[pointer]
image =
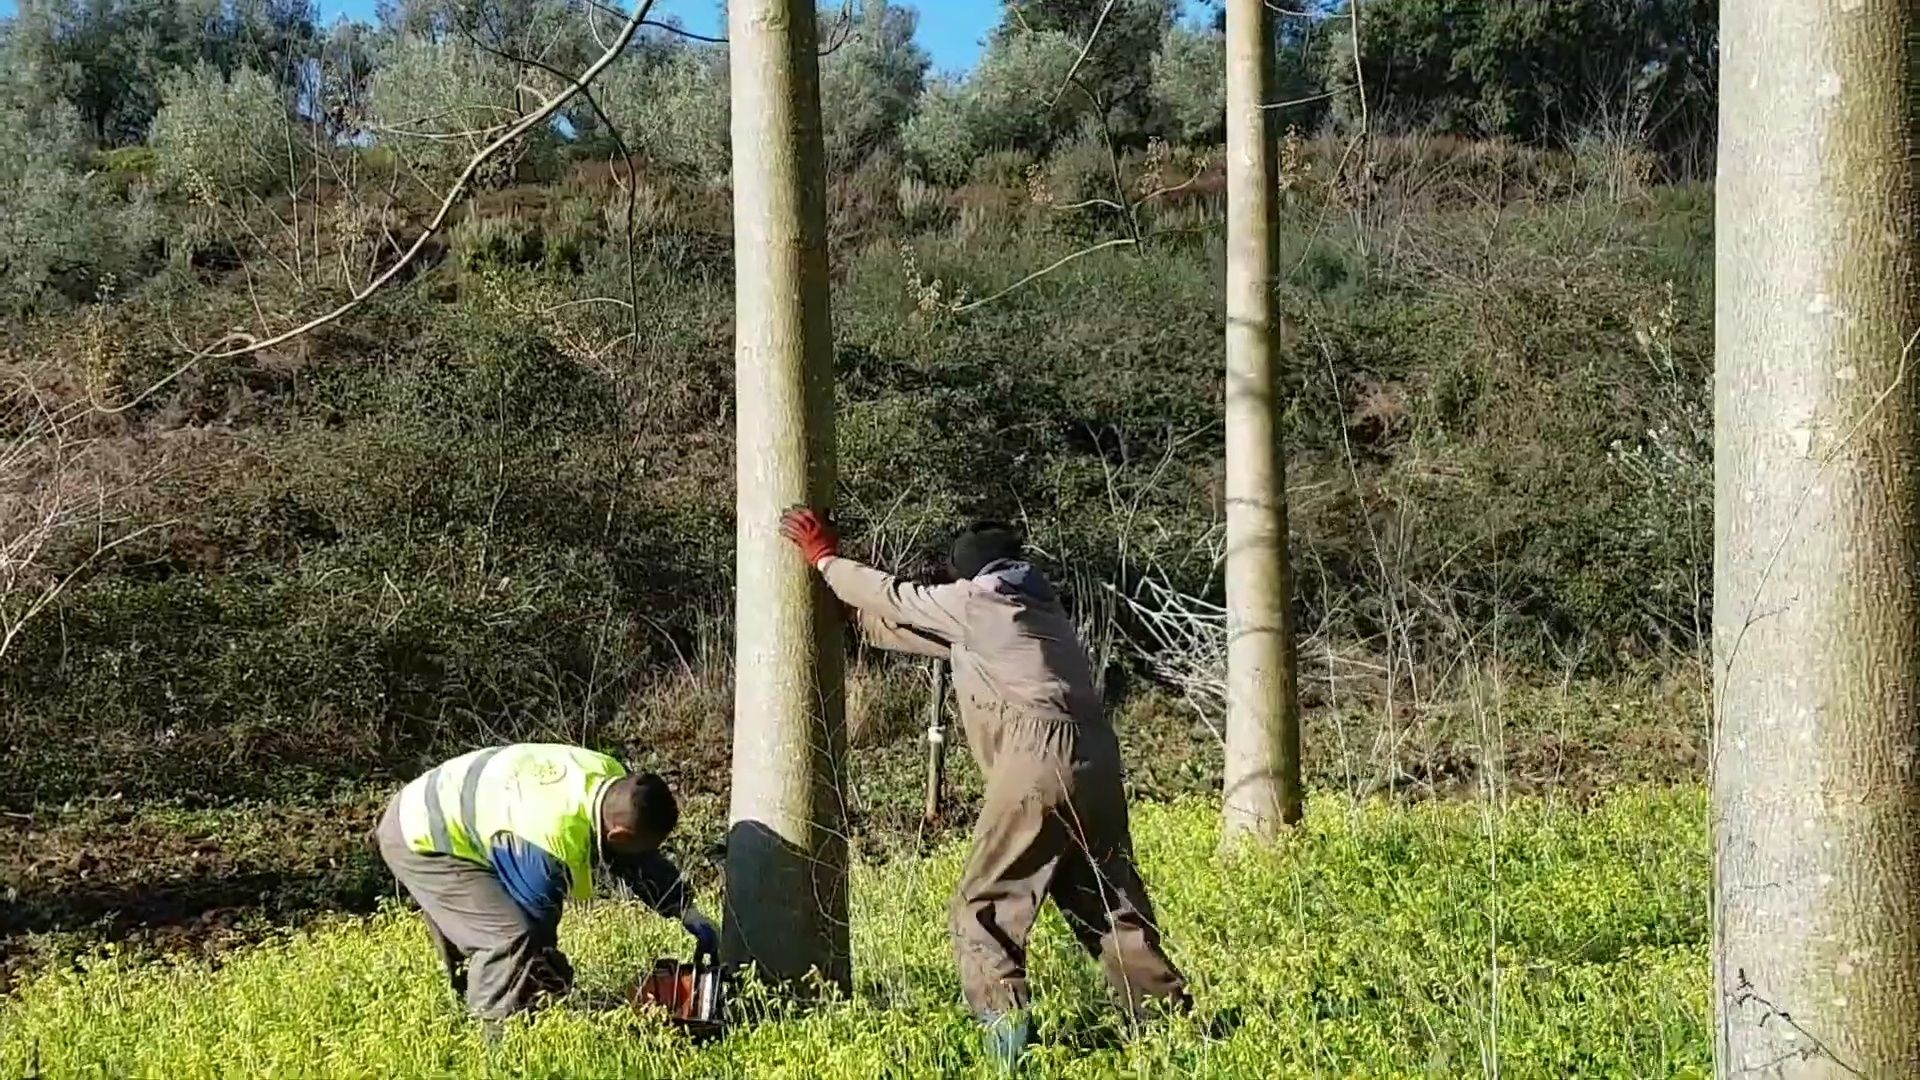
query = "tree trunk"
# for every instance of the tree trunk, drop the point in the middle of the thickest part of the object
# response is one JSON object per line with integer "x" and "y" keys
{"x": 1816, "y": 777}
{"x": 1262, "y": 791}
{"x": 786, "y": 847}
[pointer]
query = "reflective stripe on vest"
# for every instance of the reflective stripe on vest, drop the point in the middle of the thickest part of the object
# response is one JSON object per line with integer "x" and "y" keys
{"x": 547, "y": 795}
{"x": 470, "y": 844}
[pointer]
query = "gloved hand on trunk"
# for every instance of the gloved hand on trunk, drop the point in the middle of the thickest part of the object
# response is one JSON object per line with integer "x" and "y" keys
{"x": 811, "y": 534}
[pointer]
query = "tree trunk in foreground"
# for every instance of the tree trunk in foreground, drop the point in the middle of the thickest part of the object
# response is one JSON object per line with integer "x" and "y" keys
{"x": 1816, "y": 779}
{"x": 786, "y": 847}
{"x": 1262, "y": 790}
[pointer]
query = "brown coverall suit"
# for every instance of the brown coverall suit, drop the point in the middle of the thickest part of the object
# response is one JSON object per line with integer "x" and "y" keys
{"x": 1054, "y": 820}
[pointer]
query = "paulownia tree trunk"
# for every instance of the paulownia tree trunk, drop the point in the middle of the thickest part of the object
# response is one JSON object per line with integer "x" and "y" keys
{"x": 1816, "y": 778}
{"x": 786, "y": 846}
{"x": 1262, "y": 789}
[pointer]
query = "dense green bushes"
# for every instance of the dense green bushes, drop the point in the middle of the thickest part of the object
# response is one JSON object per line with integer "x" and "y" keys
{"x": 474, "y": 509}
{"x": 219, "y": 138}
{"x": 1539, "y": 73}
{"x": 65, "y": 234}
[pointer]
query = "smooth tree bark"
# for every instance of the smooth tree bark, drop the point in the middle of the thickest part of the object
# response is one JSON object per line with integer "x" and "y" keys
{"x": 1816, "y": 776}
{"x": 1262, "y": 788}
{"x": 786, "y": 845}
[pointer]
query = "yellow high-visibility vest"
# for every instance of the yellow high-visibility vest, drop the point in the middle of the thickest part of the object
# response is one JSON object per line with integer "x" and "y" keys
{"x": 546, "y": 794}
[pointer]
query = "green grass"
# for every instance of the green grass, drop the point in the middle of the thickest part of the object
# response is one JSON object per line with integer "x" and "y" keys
{"x": 1381, "y": 941}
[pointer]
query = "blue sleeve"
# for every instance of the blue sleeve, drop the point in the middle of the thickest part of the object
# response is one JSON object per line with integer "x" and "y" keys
{"x": 534, "y": 878}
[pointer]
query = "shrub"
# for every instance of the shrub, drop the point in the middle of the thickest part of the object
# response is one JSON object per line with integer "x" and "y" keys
{"x": 1078, "y": 172}
{"x": 1533, "y": 73}
{"x": 1120, "y": 40}
{"x": 216, "y": 137}
{"x": 483, "y": 243}
{"x": 921, "y": 204}
{"x": 869, "y": 84}
{"x": 1008, "y": 102}
{"x": 435, "y": 105}
{"x": 1014, "y": 90}
{"x": 1516, "y": 453}
{"x": 63, "y": 234}
{"x": 1008, "y": 169}
{"x": 673, "y": 107}
{"x": 133, "y": 163}
{"x": 864, "y": 203}
{"x": 1190, "y": 85}
{"x": 939, "y": 138}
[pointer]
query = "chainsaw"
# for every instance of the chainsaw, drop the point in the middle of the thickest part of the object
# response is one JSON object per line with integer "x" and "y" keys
{"x": 693, "y": 995}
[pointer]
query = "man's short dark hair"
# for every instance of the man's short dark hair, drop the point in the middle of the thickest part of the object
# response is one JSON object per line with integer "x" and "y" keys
{"x": 983, "y": 544}
{"x": 642, "y": 802}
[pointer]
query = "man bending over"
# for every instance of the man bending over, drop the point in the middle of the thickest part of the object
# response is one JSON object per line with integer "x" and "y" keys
{"x": 490, "y": 844}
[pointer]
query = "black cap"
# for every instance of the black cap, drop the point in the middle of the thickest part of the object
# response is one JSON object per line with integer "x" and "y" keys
{"x": 983, "y": 544}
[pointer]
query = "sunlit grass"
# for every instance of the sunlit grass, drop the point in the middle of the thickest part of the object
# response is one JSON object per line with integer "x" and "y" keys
{"x": 1379, "y": 942}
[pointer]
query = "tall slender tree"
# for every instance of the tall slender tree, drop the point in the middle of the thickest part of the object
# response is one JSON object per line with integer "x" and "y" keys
{"x": 786, "y": 851}
{"x": 1263, "y": 711}
{"x": 1816, "y": 749}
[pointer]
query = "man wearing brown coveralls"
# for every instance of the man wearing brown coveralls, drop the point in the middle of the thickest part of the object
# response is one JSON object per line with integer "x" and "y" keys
{"x": 1054, "y": 819}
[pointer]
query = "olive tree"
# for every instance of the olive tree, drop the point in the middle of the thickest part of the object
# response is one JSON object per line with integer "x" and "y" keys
{"x": 215, "y": 135}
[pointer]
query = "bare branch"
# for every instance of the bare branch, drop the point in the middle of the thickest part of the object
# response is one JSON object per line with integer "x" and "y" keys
{"x": 1359, "y": 76}
{"x": 1084, "y": 203}
{"x": 50, "y": 491}
{"x": 1175, "y": 189}
{"x": 588, "y": 300}
{"x": 1124, "y": 241}
{"x": 681, "y": 31}
{"x": 1303, "y": 16}
{"x": 1092, "y": 36}
{"x": 1310, "y": 99}
{"x": 47, "y": 596}
{"x": 220, "y": 349}
{"x": 467, "y": 135}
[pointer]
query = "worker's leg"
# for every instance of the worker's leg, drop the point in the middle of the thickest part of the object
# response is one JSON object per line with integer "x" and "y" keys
{"x": 452, "y": 958}
{"x": 510, "y": 961}
{"x": 1099, "y": 889}
{"x": 1016, "y": 844}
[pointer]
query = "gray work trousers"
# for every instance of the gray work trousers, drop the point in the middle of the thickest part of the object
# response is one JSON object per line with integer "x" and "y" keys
{"x": 1054, "y": 825}
{"x": 498, "y": 959}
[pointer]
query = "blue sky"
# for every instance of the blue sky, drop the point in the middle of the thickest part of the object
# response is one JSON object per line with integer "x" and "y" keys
{"x": 952, "y": 31}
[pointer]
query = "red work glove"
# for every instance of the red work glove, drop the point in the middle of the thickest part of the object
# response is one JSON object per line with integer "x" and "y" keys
{"x": 810, "y": 533}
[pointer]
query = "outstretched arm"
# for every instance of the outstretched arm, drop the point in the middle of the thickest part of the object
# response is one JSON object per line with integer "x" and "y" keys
{"x": 657, "y": 883}
{"x": 893, "y": 637}
{"x": 892, "y": 613}
{"x": 898, "y": 614}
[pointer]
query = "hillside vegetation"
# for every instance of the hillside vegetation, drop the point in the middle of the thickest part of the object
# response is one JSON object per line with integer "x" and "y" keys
{"x": 245, "y": 596}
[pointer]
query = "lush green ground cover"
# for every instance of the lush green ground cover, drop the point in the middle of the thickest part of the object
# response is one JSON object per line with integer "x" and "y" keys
{"x": 1382, "y": 941}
